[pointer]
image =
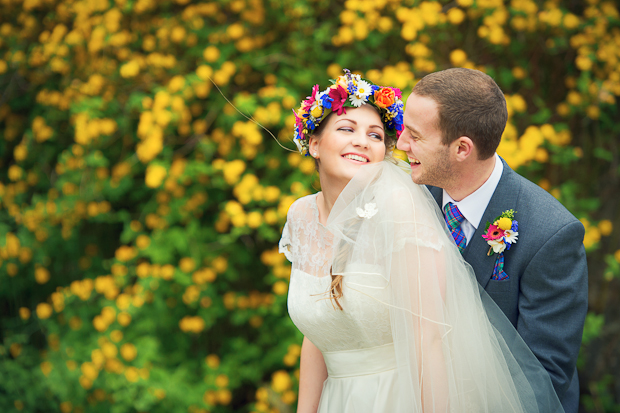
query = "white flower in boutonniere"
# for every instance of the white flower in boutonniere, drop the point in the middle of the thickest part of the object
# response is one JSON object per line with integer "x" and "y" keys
{"x": 368, "y": 212}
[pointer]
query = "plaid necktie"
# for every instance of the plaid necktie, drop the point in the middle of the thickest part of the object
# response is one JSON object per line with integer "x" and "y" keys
{"x": 453, "y": 219}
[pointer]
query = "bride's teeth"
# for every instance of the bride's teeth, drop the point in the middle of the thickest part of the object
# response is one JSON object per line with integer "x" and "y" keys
{"x": 356, "y": 158}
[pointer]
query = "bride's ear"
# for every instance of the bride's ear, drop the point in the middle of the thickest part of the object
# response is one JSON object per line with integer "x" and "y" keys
{"x": 313, "y": 146}
{"x": 463, "y": 148}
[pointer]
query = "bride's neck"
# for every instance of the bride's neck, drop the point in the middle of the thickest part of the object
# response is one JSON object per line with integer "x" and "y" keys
{"x": 330, "y": 191}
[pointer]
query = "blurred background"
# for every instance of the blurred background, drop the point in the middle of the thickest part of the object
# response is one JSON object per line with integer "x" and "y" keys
{"x": 140, "y": 212}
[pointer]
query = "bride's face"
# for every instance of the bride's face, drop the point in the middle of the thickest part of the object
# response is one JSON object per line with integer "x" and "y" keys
{"x": 349, "y": 141}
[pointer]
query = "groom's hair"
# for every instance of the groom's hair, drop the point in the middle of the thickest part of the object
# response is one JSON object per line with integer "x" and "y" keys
{"x": 470, "y": 104}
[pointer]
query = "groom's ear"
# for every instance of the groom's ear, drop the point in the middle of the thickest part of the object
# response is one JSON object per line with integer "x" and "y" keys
{"x": 463, "y": 148}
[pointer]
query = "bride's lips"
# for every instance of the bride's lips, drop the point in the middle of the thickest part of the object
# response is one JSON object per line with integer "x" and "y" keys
{"x": 357, "y": 158}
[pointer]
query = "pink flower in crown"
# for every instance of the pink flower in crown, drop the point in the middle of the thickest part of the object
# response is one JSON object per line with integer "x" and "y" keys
{"x": 340, "y": 95}
{"x": 306, "y": 104}
{"x": 397, "y": 92}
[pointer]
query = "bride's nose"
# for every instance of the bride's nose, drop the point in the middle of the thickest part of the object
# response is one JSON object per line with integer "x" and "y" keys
{"x": 359, "y": 139}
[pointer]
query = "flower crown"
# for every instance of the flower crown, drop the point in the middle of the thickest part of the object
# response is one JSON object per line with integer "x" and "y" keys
{"x": 349, "y": 90}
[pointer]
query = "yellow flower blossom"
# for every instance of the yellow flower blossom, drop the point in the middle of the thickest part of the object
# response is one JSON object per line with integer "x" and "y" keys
{"x": 605, "y": 227}
{"x": 280, "y": 381}
{"x": 128, "y": 351}
{"x": 456, "y": 16}
{"x": 124, "y": 319}
{"x": 44, "y": 311}
{"x": 24, "y": 313}
{"x": 46, "y": 368}
{"x": 280, "y": 287}
{"x": 187, "y": 264}
{"x": 155, "y": 175}
{"x": 458, "y": 57}
{"x": 130, "y": 69}
{"x": 211, "y": 54}
{"x": 212, "y": 361}
{"x": 41, "y": 275}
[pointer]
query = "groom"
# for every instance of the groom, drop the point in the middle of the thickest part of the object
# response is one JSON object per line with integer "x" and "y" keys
{"x": 454, "y": 120}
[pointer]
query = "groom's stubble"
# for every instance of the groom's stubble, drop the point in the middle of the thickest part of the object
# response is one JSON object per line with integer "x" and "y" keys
{"x": 438, "y": 170}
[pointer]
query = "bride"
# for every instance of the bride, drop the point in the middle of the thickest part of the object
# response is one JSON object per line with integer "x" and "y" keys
{"x": 393, "y": 318}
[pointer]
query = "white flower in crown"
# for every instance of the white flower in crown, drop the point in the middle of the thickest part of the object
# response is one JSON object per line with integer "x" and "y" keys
{"x": 368, "y": 212}
{"x": 364, "y": 89}
{"x": 356, "y": 100}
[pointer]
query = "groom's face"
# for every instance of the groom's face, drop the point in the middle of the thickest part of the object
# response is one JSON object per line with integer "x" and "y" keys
{"x": 421, "y": 140}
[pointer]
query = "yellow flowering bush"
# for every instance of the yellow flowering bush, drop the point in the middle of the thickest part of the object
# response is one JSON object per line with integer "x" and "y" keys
{"x": 140, "y": 208}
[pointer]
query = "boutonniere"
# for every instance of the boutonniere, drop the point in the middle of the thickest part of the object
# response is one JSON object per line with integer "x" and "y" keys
{"x": 502, "y": 233}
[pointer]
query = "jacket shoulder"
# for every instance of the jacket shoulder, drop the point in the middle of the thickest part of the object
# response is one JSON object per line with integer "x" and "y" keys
{"x": 542, "y": 204}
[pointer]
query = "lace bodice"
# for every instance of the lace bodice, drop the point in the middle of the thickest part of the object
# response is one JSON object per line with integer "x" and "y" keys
{"x": 363, "y": 322}
{"x": 305, "y": 241}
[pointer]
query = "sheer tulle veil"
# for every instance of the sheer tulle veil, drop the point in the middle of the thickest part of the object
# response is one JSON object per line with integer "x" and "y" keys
{"x": 455, "y": 350}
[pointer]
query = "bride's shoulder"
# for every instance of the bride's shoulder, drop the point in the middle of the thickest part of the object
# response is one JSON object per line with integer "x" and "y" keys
{"x": 402, "y": 195}
{"x": 303, "y": 208}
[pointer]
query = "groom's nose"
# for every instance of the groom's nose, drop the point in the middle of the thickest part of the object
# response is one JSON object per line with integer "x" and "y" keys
{"x": 403, "y": 143}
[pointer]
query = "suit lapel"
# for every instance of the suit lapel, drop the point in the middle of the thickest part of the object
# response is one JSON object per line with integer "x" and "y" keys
{"x": 505, "y": 197}
{"x": 437, "y": 193}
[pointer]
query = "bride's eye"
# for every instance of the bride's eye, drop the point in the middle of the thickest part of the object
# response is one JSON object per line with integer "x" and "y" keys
{"x": 346, "y": 129}
{"x": 376, "y": 136}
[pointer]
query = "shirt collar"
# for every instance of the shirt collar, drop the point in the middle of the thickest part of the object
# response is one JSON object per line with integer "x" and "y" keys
{"x": 473, "y": 206}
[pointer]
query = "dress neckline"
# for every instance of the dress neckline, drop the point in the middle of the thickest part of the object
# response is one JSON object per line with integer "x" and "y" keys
{"x": 315, "y": 207}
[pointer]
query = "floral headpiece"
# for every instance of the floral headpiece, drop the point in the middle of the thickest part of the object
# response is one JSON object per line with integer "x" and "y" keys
{"x": 349, "y": 90}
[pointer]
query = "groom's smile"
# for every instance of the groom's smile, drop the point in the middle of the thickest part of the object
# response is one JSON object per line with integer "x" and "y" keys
{"x": 422, "y": 141}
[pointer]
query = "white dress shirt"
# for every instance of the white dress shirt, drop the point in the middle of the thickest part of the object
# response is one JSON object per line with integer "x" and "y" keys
{"x": 472, "y": 207}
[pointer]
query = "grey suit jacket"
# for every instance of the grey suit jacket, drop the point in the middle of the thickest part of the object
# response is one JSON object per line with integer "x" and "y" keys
{"x": 546, "y": 294}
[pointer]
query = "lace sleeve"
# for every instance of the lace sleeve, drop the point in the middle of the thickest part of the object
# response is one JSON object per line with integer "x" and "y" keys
{"x": 285, "y": 244}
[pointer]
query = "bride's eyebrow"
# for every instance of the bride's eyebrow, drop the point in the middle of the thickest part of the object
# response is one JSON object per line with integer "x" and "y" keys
{"x": 343, "y": 119}
{"x": 355, "y": 123}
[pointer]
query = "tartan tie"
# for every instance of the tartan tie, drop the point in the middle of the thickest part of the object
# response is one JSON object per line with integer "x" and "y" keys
{"x": 453, "y": 219}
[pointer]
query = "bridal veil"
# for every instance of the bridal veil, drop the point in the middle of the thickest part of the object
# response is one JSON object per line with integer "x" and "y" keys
{"x": 455, "y": 350}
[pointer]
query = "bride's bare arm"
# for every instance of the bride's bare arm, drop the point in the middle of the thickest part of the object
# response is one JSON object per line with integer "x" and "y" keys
{"x": 419, "y": 268}
{"x": 433, "y": 376}
{"x": 312, "y": 374}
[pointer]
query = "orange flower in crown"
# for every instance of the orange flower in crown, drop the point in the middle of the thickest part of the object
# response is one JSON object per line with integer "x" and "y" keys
{"x": 384, "y": 97}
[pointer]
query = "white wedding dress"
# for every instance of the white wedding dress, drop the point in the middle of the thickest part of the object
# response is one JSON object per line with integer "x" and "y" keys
{"x": 415, "y": 333}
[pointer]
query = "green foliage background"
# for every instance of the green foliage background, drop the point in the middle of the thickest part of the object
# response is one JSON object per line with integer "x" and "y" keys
{"x": 139, "y": 212}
